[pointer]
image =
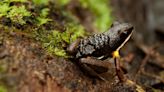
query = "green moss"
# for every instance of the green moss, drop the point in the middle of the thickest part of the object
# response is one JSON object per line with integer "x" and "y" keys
{"x": 44, "y": 12}
{"x": 2, "y": 68}
{"x": 76, "y": 31}
{"x": 3, "y": 89}
{"x": 4, "y": 9}
{"x": 17, "y": 1}
{"x": 53, "y": 40}
{"x": 40, "y": 2}
{"x": 16, "y": 14}
{"x": 102, "y": 12}
{"x": 56, "y": 41}
{"x": 42, "y": 18}
{"x": 62, "y": 2}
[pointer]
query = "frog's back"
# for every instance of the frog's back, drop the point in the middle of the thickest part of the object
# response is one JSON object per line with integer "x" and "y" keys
{"x": 94, "y": 45}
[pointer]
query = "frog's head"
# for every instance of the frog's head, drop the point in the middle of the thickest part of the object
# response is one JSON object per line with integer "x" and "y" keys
{"x": 119, "y": 34}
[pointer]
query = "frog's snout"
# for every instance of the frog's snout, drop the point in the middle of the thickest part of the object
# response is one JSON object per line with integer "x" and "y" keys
{"x": 131, "y": 28}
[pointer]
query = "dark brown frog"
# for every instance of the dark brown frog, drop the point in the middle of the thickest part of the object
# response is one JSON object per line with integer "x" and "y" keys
{"x": 95, "y": 49}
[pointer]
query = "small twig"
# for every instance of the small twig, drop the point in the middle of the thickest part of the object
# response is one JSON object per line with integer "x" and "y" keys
{"x": 143, "y": 63}
{"x": 154, "y": 54}
{"x": 152, "y": 75}
{"x": 148, "y": 52}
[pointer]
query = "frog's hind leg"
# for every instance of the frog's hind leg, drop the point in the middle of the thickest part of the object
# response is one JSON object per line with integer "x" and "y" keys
{"x": 97, "y": 62}
{"x": 86, "y": 62}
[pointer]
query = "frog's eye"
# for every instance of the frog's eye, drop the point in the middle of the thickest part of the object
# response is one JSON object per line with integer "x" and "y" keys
{"x": 128, "y": 31}
{"x": 125, "y": 32}
{"x": 115, "y": 23}
{"x": 112, "y": 25}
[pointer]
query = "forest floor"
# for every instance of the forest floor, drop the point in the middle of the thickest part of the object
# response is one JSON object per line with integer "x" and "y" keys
{"x": 26, "y": 66}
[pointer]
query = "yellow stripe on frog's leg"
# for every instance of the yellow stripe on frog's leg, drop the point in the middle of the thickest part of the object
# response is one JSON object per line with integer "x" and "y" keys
{"x": 116, "y": 54}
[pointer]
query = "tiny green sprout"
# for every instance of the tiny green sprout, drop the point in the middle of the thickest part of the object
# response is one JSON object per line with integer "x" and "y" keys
{"x": 4, "y": 9}
{"x": 42, "y": 19}
{"x": 16, "y": 14}
{"x": 65, "y": 36}
{"x": 44, "y": 12}
{"x": 22, "y": 1}
{"x": 62, "y": 2}
{"x": 78, "y": 32}
{"x": 2, "y": 68}
{"x": 59, "y": 52}
{"x": 40, "y": 2}
{"x": 53, "y": 44}
{"x": 55, "y": 51}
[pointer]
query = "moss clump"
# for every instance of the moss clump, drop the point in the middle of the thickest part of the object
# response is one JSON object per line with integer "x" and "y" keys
{"x": 3, "y": 89}
{"x": 62, "y": 2}
{"x": 55, "y": 42}
{"x": 40, "y": 2}
{"x": 22, "y": 1}
{"x": 4, "y": 9}
{"x": 18, "y": 11}
{"x": 14, "y": 13}
{"x": 42, "y": 18}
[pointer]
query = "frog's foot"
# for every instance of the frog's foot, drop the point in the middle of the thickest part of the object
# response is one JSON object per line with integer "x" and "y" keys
{"x": 72, "y": 48}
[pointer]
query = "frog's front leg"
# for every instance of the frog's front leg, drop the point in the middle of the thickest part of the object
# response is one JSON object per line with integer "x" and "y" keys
{"x": 119, "y": 71}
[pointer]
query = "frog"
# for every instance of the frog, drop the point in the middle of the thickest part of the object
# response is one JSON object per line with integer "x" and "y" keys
{"x": 95, "y": 49}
